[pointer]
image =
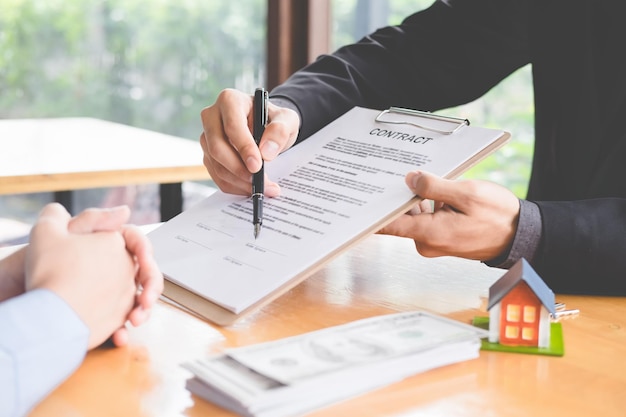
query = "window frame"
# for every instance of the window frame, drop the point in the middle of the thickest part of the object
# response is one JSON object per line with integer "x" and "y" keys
{"x": 297, "y": 33}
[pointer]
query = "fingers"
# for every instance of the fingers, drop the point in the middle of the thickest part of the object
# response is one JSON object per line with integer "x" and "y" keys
{"x": 120, "y": 337}
{"x": 226, "y": 134}
{"x": 225, "y": 167}
{"x": 53, "y": 218}
{"x": 281, "y": 132}
{"x": 97, "y": 220}
{"x": 91, "y": 220}
{"x": 149, "y": 278}
{"x": 235, "y": 111}
{"x": 403, "y": 226}
{"x": 227, "y": 122}
{"x": 55, "y": 211}
{"x": 423, "y": 206}
{"x": 271, "y": 189}
{"x": 429, "y": 186}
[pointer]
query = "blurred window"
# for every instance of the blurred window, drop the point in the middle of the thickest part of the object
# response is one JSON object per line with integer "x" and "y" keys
{"x": 150, "y": 64}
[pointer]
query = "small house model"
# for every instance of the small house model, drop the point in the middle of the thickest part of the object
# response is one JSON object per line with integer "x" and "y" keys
{"x": 520, "y": 304}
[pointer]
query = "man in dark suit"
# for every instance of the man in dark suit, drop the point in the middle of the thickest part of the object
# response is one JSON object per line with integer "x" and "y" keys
{"x": 572, "y": 226}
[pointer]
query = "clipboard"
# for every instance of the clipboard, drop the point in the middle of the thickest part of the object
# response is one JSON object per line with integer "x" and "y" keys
{"x": 394, "y": 119}
{"x": 456, "y": 122}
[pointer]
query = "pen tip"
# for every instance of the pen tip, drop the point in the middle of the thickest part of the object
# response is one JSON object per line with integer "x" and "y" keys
{"x": 257, "y": 230}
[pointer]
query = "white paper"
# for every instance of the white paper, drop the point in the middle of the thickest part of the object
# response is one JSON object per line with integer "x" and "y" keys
{"x": 335, "y": 186}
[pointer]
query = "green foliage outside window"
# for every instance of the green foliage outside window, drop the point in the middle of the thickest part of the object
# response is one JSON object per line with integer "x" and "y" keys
{"x": 153, "y": 64}
{"x": 149, "y": 63}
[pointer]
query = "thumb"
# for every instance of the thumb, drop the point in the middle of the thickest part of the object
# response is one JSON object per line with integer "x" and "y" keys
{"x": 99, "y": 220}
{"x": 281, "y": 132}
{"x": 431, "y": 187}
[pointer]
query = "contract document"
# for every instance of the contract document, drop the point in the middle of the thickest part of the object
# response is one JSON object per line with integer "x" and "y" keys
{"x": 343, "y": 183}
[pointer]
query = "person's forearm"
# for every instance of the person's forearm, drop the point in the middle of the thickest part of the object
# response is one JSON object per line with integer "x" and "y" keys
{"x": 575, "y": 246}
{"x": 12, "y": 274}
{"x": 42, "y": 341}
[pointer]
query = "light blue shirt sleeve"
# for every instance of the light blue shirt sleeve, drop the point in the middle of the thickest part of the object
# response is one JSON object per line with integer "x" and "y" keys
{"x": 42, "y": 342}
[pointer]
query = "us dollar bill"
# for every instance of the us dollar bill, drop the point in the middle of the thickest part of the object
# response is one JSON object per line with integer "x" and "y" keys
{"x": 371, "y": 340}
{"x": 251, "y": 370}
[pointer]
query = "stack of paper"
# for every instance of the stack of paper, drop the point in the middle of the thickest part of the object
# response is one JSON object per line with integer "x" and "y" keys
{"x": 296, "y": 375}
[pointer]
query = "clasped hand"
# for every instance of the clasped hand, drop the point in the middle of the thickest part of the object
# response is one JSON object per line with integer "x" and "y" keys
{"x": 100, "y": 266}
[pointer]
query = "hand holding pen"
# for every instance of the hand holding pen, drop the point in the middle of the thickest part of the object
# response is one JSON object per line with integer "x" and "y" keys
{"x": 230, "y": 154}
{"x": 259, "y": 121}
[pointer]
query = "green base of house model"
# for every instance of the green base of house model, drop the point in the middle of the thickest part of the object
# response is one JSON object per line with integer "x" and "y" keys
{"x": 556, "y": 347}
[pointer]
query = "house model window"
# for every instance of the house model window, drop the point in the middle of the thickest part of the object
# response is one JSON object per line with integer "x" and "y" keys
{"x": 520, "y": 308}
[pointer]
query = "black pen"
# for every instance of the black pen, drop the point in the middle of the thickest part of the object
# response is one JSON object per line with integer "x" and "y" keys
{"x": 258, "y": 127}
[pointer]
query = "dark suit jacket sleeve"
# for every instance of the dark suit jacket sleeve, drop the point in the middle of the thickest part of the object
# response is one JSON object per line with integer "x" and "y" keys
{"x": 583, "y": 246}
{"x": 446, "y": 55}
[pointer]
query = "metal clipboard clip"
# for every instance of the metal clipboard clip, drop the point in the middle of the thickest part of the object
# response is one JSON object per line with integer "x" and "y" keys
{"x": 457, "y": 122}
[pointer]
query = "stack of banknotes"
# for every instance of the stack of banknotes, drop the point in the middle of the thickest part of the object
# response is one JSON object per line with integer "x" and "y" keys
{"x": 300, "y": 374}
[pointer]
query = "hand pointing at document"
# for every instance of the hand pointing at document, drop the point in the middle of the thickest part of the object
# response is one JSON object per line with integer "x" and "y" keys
{"x": 230, "y": 154}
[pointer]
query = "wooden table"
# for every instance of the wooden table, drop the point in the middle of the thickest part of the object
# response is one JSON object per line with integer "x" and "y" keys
{"x": 380, "y": 275}
{"x": 64, "y": 154}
